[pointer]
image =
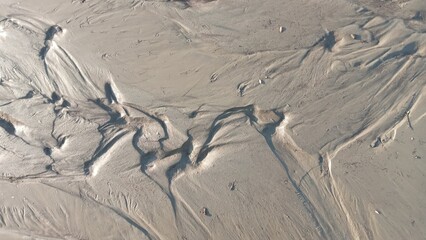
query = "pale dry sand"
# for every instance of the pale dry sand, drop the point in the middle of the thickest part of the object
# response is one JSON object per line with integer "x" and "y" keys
{"x": 131, "y": 119}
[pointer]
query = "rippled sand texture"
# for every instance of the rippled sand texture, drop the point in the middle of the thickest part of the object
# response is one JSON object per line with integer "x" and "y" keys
{"x": 212, "y": 119}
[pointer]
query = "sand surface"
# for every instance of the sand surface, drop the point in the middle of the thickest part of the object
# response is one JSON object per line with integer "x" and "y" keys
{"x": 226, "y": 119}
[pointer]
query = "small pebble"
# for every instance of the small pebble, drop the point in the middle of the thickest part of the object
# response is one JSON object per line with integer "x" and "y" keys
{"x": 204, "y": 211}
{"x": 213, "y": 77}
{"x": 281, "y": 29}
{"x": 377, "y": 212}
{"x": 231, "y": 186}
